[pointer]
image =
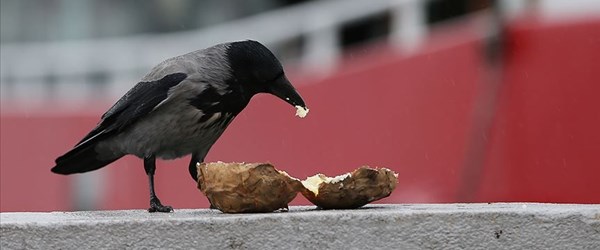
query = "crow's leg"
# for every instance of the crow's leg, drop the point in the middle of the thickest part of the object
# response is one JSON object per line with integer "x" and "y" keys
{"x": 155, "y": 205}
{"x": 192, "y": 168}
{"x": 194, "y": 172}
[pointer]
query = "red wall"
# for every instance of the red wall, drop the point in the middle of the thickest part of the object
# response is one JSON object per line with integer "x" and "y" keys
{"x": 545, "y": 144}
{"x": 412, "y": 115}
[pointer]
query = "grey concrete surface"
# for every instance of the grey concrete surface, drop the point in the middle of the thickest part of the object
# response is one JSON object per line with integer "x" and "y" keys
{"x": 410, "y": 226}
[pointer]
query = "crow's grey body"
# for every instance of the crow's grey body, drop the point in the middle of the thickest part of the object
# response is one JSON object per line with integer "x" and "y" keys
{"x": 172, "y": 128}
{"x": 167, "y": 135}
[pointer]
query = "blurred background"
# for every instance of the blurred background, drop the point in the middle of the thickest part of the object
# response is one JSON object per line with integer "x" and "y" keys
{"x": 468, "y": 100}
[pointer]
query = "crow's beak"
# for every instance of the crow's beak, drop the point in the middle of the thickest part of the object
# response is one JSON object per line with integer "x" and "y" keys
{"x": 283, "y": 89}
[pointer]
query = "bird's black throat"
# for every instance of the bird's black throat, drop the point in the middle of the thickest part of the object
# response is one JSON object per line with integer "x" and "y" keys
{"x": 232, "y": 100}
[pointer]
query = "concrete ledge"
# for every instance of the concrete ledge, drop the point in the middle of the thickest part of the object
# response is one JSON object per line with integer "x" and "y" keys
{"x": 416, "y": 226}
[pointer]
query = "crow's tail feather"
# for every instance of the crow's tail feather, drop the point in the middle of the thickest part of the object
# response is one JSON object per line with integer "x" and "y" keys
{"x": 83, "y": 158}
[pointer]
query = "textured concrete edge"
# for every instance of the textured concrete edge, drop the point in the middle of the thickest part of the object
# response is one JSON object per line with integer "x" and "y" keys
{"x": 500, "y": 225}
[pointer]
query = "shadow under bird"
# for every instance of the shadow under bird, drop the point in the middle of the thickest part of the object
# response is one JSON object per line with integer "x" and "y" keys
{"x": 181, "y": 107}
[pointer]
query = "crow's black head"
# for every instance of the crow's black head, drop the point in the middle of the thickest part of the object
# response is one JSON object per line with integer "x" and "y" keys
{"x": 253, "y": 63}
{"x": 256, "y": 68}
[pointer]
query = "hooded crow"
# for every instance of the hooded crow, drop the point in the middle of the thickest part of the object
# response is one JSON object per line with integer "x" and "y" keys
{"x": 181, "y": 107}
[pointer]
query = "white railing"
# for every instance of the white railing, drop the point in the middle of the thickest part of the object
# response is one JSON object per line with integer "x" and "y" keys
{"x": 65, "y": 70}
{"x": 80, "y": 70}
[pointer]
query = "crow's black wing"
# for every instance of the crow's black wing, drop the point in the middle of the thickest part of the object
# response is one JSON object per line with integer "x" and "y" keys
{"x": 137, "y": 102}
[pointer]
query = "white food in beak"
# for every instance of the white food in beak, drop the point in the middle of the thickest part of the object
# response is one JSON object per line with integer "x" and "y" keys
{"x": 301, "y": 111}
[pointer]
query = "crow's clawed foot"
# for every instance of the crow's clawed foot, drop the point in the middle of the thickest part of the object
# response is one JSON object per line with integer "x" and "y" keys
{"x": 156, "y": 206}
